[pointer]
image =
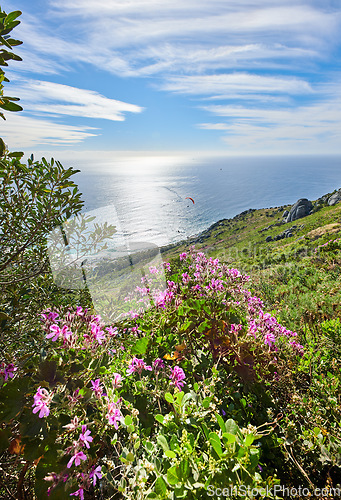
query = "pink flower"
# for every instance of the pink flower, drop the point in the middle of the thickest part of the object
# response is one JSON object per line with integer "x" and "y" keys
{"x": 137, "y": 365}
{"x": 7, "y": 371}
{"x": 96, "y": 387}
{"x": 185, "y": 278}
{"x": 114, "y": 415}
{"x": 97, "y": 333}
{"x": 79, "y": 493}
{"x": 77, "y": 457}
{"x": 177, "y": 376}
{"x": 117, "y": 379}
{"x": 112, "y": 331}
{"x": 85, "y": 437}
{"x": 269, "y": 339}
{"x": 153, "y": 270}
{"x": 42, "y": 407}
{"x": 166, "y": 265}
{"x": 73, "y": 425}
{"x": 158, "y": 364}
{"x": 183, "y": 256}
{"x": 80, "y": 312}
{"x": 42, "y": 399}
{"x": 96, "y": 474}
{"x": 55, "y": 332}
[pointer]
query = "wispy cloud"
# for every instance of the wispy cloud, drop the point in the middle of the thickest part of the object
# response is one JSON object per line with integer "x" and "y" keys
{"x": 56, "y": 99}
{"x": 236, "y": 85}
{"x": 23, "y": 132}
{"x": 264, "y": 62}
{"x": 312, "y": 128}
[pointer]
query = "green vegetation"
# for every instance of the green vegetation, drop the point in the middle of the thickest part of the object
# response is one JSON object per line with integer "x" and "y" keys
{"x": 219, "y": 382}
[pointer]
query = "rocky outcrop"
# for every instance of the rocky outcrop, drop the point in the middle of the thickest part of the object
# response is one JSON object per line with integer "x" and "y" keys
{"x": 335, "y": 198}
{"x": 301, "y": 208}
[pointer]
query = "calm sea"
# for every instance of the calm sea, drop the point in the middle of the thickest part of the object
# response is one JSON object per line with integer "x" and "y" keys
{"x": 146, "y": 197}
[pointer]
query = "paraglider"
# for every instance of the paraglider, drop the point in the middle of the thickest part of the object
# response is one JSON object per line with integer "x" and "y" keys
{"x": 189, "y": 198}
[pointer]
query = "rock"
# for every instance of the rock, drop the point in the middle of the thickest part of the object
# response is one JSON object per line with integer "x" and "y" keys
{"x": 335, "y": 198}
{"x": 300, "y": 209}
{"x": 268, "y": 238}
{"x": 289, "y": 235}
{"x": 285, "y": 213}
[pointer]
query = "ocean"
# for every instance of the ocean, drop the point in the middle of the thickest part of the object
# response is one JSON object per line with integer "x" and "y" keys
{"x": 147, "y": 198}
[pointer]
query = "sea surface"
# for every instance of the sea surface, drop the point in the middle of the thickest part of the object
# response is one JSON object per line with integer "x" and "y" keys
{"x": 146, "y": 198}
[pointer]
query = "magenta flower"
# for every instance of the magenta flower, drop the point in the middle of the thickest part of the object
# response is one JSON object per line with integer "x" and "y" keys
{"x": 158, "y": 364}
{"x": 269, "y": 339}
{"x": 183, "y": 256}
{"x": 7, "y": 371}
{"x": 96, "y": 387}
{"x": 114, "y": 415}
{"x": 117, "y": 379}
{"x": 185, "y": 278}
{"x": 55, "y": 332}
{"x": 153, "y": 270}
{"x": 177, "y": 376}
{"x": 96, "y": 474}
{"x": 42, "y": 399}
{"x": 112, "y": 331}
{"x": 73, "y": 425}
{"x": 42, "y": 407}
{"x": 137, "y": 365}
{"x": 79, "y": 493}
{"x": 97, "y": 333}
{"x": 65, "y": 332}
{"x": 85, "y": 437}
{"x": 77, "y": 457}
{"x": 166, "y": 265}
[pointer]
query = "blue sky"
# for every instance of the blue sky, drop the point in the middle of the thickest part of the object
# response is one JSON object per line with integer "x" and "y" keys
{"x": 225, "y": 76}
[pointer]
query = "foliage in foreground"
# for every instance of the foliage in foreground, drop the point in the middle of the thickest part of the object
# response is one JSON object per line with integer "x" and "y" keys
{"x": 204, "y": 388}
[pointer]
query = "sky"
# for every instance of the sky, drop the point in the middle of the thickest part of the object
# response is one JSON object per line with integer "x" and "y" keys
{"x": 166, "y": 76}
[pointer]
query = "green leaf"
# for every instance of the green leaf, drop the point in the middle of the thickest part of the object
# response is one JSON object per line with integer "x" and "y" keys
{"x": 215, "y": 443}
{"x": 206, "y": 402}
{"x": 141, "y": 346}
{"x": 221, "y": 422}
{"x": 169, "y": 397}
{"x": 170, "y": 454}
{"x": 162, "y": 441}
{"x": 128, "y": 420}
{"x": 13, "y": 398}
{"x": 11, "y": 106}
{"x": 184, "y": 469}
{"x": 160, "y": 487}
{"x": 172, "y": 476}
{"x": 249, "y": 439}
{"x": 229, "y": 438}
{"x": 4, "y": 439}
{"x": 12, "y": 16}
{"x": 231, "y": 426}
{"x": 159, "y": 418}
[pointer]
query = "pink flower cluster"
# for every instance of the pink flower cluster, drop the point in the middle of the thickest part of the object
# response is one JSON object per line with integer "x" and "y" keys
{"x": 137, "y": 365}
{"x": 7, "y": 371}
{"x": 42, "y": 399}
{"x": 114, "y": 414}
{"x": 177, "y": 377}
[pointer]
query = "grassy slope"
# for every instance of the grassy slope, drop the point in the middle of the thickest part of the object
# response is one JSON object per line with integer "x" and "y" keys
{"x": 301, "y": 285}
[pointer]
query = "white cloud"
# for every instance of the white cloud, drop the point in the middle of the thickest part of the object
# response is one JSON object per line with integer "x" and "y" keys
{"x": 310, "y": 129}
{"x": 25, "y": 132}
{"x": 50, "y": 98}
{"x": 271, "y": 54}
{"x": 144, "y": 37}
{"x": 236, "y": 85}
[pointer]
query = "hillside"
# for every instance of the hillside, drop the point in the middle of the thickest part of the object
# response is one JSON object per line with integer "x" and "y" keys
{"x": 299, "y": 275}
